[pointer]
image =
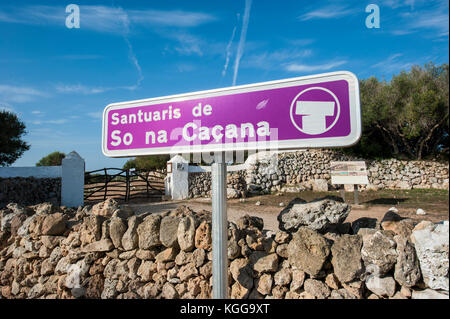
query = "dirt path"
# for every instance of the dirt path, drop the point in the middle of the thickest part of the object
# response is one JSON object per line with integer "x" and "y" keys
{"x": 269, "y": 213}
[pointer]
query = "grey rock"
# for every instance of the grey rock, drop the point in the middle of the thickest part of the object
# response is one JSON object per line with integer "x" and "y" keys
{"x": 100, "y": 246}
{"x": 233, "y": 249}
{"x": 168, "y": 234}
{"x": 317, "y": 215}
{"x": 105, "y": 208}
{"x": 54, "y": 224}
{"x": 246, "y": 222}
{"x": 117, "y": 229}
{"x": 407, "y": 268}
{"x": 308, "y": 251}
{"x": 264, "y": 284}
{"x": 186, "y": 233}
{"x": 130, "y": 237}
{"x": 341, "y": 294}
{"x": 378, "y": 253}
{"x": 109, "y": 289}
{"x": 123, "y": 212}
{"x": 241, "y": 272}
{"x": 283, "y": 277}
{"x": 317, "y": 288}
{"x": 346, "y": 257}
{"x": 381, "y": 286}
{"x": 319, "y": 185}
{"x": 148, "y": 232}
{"x": 432, "y": 247}
{"x": 262, "y": 262}
{"x": 429, "y": 294}
{"x": 233, "y": 193}
{"x": 36, "y": 291}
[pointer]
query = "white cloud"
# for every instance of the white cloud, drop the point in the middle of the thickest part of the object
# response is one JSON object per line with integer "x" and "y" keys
{"x": 433, "y": 18}
{"x": 294, "y": 67}
{"x": 402, "y": 32}
{"x": 80, "y": 89}
{"x": 188, "y": 44}
{"x": 135, "y": 62}
{"x": 175, "y": 18}
{"x": 394, "y": 4}
{"x": 19, "y": 94}
{"x": 228, "y": 52}
{"x": 43, "y": 122}
{"x": 36, "y": 112}
{"x": 90, "y": 90}
{"x": 328, "y": 12}
{"x": 240, "y": 49}
{"x": 393, "y": 63}
{"x": 270, "y": 60}
{"x": 104, "y": 18}
{"x": 96, "y": 115}
{"x": 301, "y": 42}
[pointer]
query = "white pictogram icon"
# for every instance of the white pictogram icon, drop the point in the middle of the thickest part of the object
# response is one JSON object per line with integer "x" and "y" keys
{"x": 314, "y": 113}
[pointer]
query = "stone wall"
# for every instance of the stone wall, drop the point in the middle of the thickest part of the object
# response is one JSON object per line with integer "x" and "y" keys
{"x": 107, "y": 252}
{"x": 310, "y": 170}
{"x": 200, "y": 184}
{"x": 30, "y": 190}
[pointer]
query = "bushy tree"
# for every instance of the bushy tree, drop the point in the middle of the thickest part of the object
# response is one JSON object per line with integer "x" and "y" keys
{"x": 406, "y": 117}
{"x": 147, "y": 163}
{"x": 372, "y": 143}
{"x": 52, "y": 159}
{"x": 420, "y": 101}
{"x": 11, "y": 132}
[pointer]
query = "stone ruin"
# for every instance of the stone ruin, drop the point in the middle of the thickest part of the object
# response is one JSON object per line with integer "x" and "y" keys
{"x": 106, "y": 251}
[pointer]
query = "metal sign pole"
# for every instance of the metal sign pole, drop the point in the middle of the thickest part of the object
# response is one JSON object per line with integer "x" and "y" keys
{"x": 342, "y": 191}
{"x": 219, "y": 226}
{"x": 355, "y": 191}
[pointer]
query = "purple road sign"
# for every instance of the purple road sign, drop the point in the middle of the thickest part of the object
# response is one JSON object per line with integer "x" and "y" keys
{"x": 313, "y": 111}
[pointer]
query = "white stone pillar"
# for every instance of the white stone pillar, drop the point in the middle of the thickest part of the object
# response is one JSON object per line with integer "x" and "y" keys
{"x": 179, "y": 178}
{"x": 72, "y": 180}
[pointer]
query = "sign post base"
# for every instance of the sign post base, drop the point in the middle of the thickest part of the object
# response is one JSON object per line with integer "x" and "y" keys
{"x": 355, "y": 194}
{"x": 219, "y": 226}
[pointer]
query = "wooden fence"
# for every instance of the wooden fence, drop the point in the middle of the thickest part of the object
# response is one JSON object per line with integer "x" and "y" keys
{"x": 123, "y": 184}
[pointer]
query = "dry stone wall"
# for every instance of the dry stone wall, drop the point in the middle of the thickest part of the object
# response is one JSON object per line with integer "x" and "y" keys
{"x": 200, "y": 184}
{"x": 310, "y": 170}
{"x": 30, "y": 190}
{"x": 106, "y": 251}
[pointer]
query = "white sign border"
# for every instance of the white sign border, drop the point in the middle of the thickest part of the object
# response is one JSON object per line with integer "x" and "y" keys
{"x": 331, "y": 142}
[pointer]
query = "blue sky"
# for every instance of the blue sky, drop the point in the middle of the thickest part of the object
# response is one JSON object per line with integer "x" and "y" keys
{"x": 58, "y": 80}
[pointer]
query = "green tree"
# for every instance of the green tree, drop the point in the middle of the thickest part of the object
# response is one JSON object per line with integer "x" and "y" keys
{"x": 147, "y": 163}
{"x": 420, "y": 98}
{"x": 406, "y": 117}
{"x": 372, "y": 143}
{"x": 11, "y": 144}
{"x": 52, "y": 159}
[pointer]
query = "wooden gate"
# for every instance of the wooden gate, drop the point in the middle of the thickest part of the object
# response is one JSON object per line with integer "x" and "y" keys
{"x": 123, "y": 184}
